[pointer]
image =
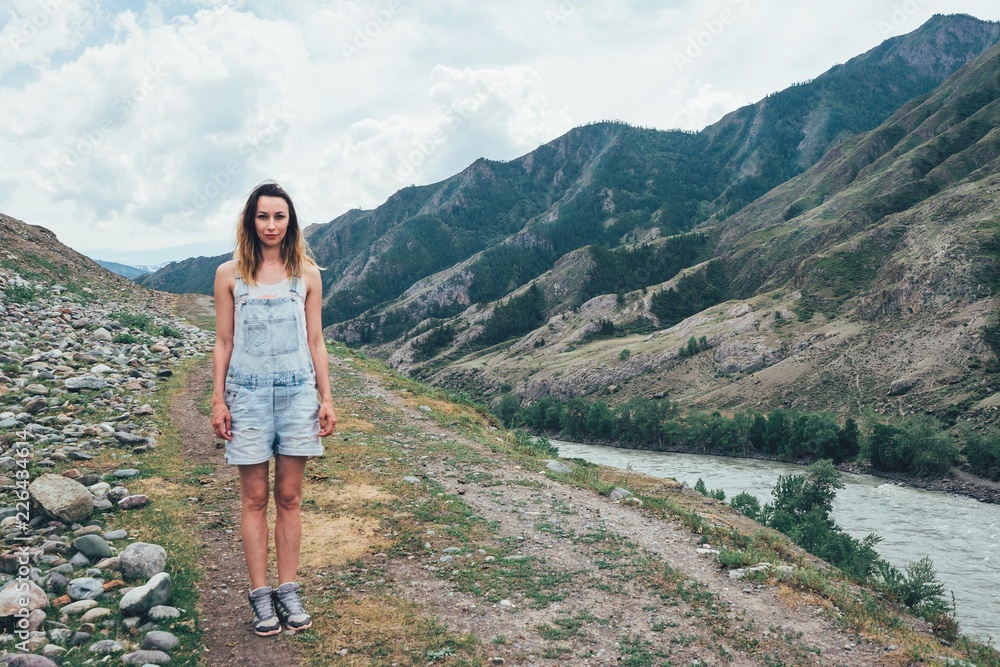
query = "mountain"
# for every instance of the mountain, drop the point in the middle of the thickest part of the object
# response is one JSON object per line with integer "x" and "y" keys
{"x": 35, "y": 253}
{"x": 124, "y": 270}
{"x": 600, "y": 183}
{"x": 869, "y": 282}
{"x": 608, "y": 261}
{"x": 190, "y": 276}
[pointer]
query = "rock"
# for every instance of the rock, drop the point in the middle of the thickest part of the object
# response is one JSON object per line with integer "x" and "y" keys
{"x": 36, "y": 389}
{"x": 85, "y": 588}
{"x": 106, "y": 647}
{"x": 130, "y": 440}
{"x": 411, "y": 479}
{"x": 133, "y": 502}
{"x": 92, "y": 546}
{"x": 85, "y": 382}
{"x": 62, "y": 498}
{"x": 142, "y": 598}
{"x": 101, "y": 334}
{"x": 28, "y": 660}
{"x": 53, "y": 651}
{"x": 21, "y": 594}
{"x": 116, "y": 535}
{"x": 126, "y": 473}
{"x": 79, "y": 607}
{"x": 95, "y": 614}
{"x": 35, "y": 405}
{"x": 142, "y": 560}
{"x": 163, "y": 613}
{"x": 146, "y": 658}
{"x": 902, "y": 385}
{"x": 159, "y": 641}
{"x": 56, "y": 583}
{"x": 619, "y": 493}
{"x": 558, "y": 466}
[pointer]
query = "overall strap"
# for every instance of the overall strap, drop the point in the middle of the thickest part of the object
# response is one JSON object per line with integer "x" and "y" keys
{"x": 298, "y": 288}
{"x": 241, "y": 291}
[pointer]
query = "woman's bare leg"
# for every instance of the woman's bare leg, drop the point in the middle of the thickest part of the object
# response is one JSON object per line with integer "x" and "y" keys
{"x": 288, "y": 471}
{"x": 254, "y": 495}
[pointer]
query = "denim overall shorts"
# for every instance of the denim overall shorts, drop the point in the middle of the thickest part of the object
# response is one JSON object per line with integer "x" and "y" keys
{"x": 271, "y": 386}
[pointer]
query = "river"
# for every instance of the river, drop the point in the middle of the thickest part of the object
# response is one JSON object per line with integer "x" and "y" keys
{"x": 961, "y": 535}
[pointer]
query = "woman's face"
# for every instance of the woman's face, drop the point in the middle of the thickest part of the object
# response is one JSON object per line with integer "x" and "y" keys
{"x": 271, "y": 220}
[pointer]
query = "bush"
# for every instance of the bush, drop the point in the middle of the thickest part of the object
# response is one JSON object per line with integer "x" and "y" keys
{"x": 746, "y": 504}
{"x": 125, "y": 338}
{"x": 168, "y": 331}
{"x": 20, "y": 294}
{"x": 915, "y": 445}
{"x": 982, "y": 450}
{"x": 138, "y": 321}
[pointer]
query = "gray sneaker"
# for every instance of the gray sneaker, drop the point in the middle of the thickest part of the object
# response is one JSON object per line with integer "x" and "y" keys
{"x": 289, "y": 607}
{"x": 265, "y": 621}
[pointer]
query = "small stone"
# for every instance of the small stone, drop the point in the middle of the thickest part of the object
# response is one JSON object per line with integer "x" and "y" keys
{"x": 134, "y": 502}
{"x": 126, "y": 473}
{"x": 619, "y": 493}
{"x": 29, "y": 660}
{"x": 85, "y": 382}
{"x": 163, "y": 613}
{"x": 116, "y": 535}
{"x": 92, "y": 546}
{"x": 160, "y": 641}
{"x": 106, "y": 647}
{"x": 95, "y": 614}
{"x": 411, "y": 479}
{"x": 62, "y": 498}
{"x": 85, "y": 588}
{"x": 141, "y": 598}
{"x": 56, "y": 582}
{"x": 145, "y": 657}
{"x": 142, "y": 560}
{"x": 130, "y": 440}
{"x": 558, "y": 466}
{"x": 79, "y": 607}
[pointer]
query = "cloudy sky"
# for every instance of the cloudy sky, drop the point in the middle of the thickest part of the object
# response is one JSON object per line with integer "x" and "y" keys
{"x": 135, "y": 129}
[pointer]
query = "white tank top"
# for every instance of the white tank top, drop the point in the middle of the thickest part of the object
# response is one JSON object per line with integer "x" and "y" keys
{"x": 275, "y": 291}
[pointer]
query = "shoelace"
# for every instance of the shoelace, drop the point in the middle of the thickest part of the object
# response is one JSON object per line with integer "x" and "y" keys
{"x": 262, "y": 607}
{"x": 291, "y": 602}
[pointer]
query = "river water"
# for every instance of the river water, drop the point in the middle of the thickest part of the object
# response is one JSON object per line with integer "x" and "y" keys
{"x": 961, "y": 536}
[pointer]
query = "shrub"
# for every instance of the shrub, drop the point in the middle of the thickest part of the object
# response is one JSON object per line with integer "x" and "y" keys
{"x": 982, "y": 450}
{"x": 168, "y": 331}
{"x": 746, "y": 504}
{"x": 125, "y": 338}
{"x": 20, "y": 293}
{"x": 624, "y": 354}
{"x": 138, "y": 321}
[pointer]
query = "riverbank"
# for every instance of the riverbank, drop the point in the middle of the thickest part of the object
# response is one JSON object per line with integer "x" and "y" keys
{"x": 957, "y": 482}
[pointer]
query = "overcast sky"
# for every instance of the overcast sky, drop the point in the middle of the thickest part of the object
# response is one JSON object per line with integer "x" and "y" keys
{"x": 134, "y": 130}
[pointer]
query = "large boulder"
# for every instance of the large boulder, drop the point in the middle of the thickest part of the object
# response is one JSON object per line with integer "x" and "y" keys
{"x": 62, "y": 498}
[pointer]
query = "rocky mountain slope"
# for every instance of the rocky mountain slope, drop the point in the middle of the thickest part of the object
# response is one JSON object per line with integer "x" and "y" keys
{"x": 571, "y": 271}
{"x": 868, "y": 281}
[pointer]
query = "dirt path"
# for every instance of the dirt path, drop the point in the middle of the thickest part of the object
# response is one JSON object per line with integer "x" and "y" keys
{"x": 224, "y": 609}
{"x": 425, "y": 543}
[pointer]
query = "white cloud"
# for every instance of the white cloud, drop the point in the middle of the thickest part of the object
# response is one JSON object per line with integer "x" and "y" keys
{"x": 145, "y": 129}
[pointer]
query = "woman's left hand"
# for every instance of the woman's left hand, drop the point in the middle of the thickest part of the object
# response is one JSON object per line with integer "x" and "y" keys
{"x": 327, "y": 418}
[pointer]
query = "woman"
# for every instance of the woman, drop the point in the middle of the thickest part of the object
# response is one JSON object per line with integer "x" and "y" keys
{"x": 269, "y": 363}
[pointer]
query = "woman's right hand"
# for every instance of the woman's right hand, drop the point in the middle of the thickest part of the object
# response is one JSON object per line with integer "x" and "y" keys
{"x": 222, "y": 421}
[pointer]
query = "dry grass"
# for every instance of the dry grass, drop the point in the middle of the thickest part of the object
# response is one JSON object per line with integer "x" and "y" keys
{"x": 334, "y": 541}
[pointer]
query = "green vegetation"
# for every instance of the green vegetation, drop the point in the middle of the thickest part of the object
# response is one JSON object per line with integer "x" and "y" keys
{"x": 982, "y": 450}
{"x": 20, "y": 293}
{"x": 515, "y": 317}
{"x": 693, "y": 347}
{"x": 692, "y": 294}
{"x": 624, "y": 270}
{"x": 139, "y": 321}
{"x": 801, "y": 509}
{"x": 914, "y": 446}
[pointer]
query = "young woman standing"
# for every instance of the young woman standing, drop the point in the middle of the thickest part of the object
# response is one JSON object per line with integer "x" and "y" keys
{"x": 270, "y": 364}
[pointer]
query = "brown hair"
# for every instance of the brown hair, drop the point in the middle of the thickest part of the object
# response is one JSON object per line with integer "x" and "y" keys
{"x": 294, "y": 251}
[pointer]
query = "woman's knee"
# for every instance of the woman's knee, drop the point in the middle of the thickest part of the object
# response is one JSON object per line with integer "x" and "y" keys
{"x": 288, "y": 497}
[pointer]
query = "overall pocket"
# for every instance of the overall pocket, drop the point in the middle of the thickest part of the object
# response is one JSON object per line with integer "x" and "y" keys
{"x": 284, "y": 335}
{"x": 255, "y": 338}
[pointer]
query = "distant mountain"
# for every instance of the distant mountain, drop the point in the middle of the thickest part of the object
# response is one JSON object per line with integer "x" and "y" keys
{"x": 195, "y": 275}
{"x": 123, "y": 269}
